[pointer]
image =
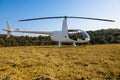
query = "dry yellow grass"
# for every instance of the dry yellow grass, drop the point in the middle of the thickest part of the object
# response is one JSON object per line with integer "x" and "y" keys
{"x": 92, "y": 62}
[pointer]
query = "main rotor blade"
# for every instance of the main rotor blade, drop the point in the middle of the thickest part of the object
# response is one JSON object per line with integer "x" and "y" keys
{"x": 66, "y": 18}
{"x": 92, "y": 18}
{"x": 41, "y": 18}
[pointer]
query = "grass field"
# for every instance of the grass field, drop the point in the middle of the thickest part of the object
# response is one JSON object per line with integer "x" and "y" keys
{"x": 92, "y": 62}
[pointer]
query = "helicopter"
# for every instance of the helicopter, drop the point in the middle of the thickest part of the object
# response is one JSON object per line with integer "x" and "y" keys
{"x": 65, "y": 35}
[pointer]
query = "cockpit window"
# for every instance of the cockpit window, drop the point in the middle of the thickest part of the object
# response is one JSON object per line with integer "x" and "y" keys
{"x": 75, "y": 34}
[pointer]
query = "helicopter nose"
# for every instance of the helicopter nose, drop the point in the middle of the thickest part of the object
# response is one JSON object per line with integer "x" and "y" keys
{"x": 86, "y": 37}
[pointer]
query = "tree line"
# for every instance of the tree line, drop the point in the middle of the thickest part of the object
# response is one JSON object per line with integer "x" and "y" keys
{"x": 103, "y": 36}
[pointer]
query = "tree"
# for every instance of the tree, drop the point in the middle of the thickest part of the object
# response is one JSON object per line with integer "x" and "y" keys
{"x": 2, "y": 42}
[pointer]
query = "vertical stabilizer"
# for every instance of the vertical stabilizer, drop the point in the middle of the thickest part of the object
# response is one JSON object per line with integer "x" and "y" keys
{"x": 64, "y": 26}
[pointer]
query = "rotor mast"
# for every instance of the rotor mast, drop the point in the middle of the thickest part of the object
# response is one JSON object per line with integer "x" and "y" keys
{"x": 64, "y": 25}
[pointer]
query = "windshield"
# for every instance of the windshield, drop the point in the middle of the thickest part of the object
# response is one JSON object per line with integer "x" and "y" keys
{"x": 77, "y": 34}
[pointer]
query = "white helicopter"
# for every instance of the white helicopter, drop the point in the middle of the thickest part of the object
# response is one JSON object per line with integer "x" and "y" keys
{"x": 66, "y": 35}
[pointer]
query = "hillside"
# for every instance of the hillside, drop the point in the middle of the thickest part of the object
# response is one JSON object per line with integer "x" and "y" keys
{"x": 92, "y": 62}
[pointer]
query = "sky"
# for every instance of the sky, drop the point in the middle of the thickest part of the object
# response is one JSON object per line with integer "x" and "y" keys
{"x": 14, "y": 10}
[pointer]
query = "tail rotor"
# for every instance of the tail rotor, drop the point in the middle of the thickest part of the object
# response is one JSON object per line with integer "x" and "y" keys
{"x": 8, "y": 30}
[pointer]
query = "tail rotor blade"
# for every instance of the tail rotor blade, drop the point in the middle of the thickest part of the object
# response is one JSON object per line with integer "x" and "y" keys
{"x": 8, "y": 25}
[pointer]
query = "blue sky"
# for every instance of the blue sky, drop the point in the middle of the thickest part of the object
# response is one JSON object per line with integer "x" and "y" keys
{"x": 14, "y": 10}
